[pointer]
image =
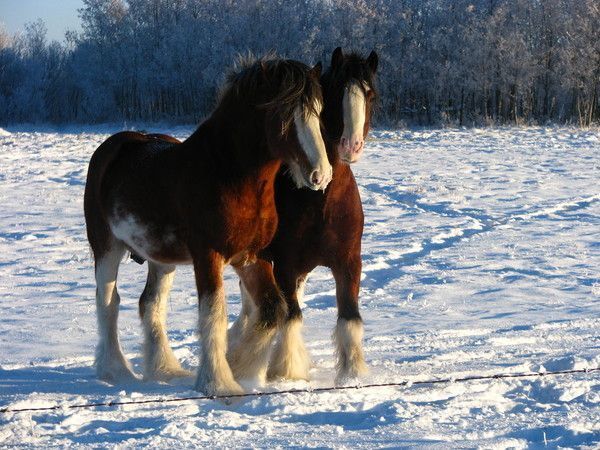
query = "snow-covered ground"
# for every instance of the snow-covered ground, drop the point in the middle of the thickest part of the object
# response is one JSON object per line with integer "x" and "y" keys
{"x": 481, "y": 255}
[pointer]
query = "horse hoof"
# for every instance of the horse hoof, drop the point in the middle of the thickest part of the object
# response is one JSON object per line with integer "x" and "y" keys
{"x": 351, "y": 375}
{"x": 167, "y": 374}
{"x": 289, "y": 375}
{"x": 119, "y": 375}
{"x": 220, "y": 389}
{"x": 182, "y": 373}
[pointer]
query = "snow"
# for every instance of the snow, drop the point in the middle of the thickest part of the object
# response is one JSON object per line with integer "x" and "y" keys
{"x": 481, "y": 256}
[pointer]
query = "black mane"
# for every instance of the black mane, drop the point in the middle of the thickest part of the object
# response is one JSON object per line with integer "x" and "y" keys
{"x": 353, "y": 67}
{"x": 345, "y": 68}
{"x": 256, "y": 80}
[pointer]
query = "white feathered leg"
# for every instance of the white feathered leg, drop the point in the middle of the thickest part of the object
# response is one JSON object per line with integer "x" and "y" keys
{"x": 159, "y": 361}
{"x": 348, "y": 343}
{"x": 250, "y": 357}
{"x": 290, "y": 359}
{"x": 214, "y": 374}
{"x": 238, "y": 328}
{"x": 111, "y": 363}
{"x": 263, "y": 310}
{"x": 301, "y": 287}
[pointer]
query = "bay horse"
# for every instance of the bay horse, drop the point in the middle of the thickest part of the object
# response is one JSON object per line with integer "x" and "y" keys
{"x": 320, "y": 229}
{"x": 208, "y": 201}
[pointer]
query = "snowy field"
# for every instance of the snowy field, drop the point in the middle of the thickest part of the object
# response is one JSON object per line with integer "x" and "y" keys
{"x": 481, "y": 256}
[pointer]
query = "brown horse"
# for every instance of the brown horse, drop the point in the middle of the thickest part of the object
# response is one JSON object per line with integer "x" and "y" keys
{"x": 207, "y": 201}
{"x": 320, "y": 228}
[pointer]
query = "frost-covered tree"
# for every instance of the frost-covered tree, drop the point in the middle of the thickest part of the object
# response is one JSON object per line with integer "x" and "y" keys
{"x": 441, "y": 61}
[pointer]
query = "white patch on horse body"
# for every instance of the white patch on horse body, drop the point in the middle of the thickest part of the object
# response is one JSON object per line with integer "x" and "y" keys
{"x": 308, "y": 130}
{"x": 129, "y": 230}
{"x": 146, "y": 240}
{"x": 348, "y": 336}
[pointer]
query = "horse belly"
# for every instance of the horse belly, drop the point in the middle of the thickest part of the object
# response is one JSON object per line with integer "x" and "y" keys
{"x": 150, "y": 241}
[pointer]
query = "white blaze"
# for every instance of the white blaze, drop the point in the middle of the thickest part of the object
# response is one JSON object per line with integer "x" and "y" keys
{"x": 308, "y": 130}
{"x": 354, "y": 107}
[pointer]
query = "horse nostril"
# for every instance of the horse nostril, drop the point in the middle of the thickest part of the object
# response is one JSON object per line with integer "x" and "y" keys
{"x": 316, "y": 177}
{"x": 344, "y": 142}
{"x": 358, "y": 146}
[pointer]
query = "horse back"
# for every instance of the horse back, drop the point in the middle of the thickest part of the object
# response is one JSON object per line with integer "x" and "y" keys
{"x": 97, "y": 226}
{"x": 160, "y": 198}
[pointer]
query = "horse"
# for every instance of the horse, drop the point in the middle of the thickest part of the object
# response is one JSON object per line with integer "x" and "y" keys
{"x": 320, "y": 229}
{"x": 207, "y": 201}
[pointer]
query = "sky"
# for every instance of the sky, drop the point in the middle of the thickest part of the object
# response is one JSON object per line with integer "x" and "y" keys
{"x": 59, "y": 15}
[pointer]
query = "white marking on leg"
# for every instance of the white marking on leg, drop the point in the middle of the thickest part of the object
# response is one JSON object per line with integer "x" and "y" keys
{"x": 249, "y": 357}
{"x": 111, "y": 364}
{"x": 300, "y": 290}
{"x": 214, "y": 374}
{"x": 290, "y": 359}
{"x": 308, "y": 130}
{"x": 159, "y": 361}
{"x": 348, "y": 336}
{"x": 236, "y": 331}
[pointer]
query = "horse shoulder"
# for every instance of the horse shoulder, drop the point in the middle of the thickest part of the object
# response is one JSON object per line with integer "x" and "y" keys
{"x": 343, "y": 201}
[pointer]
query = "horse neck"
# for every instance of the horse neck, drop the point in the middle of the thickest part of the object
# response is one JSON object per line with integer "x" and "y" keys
{"x": 332, "y": 153}
{"x": 333, "y": 129}
{"x": 235, "y": 143}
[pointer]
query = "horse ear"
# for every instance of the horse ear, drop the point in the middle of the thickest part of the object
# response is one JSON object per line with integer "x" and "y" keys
{"x": 373, "y": 61}
{"x": 337, "y": 57}
{"x": 316, "y": 71}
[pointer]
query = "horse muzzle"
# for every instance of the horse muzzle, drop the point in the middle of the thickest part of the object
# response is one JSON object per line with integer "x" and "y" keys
{"x": 350, "y": 150}
{"x": 320, "y": 178}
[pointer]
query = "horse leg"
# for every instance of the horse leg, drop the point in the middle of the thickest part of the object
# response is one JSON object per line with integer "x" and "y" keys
{"x": 349, "y": 328}
{"x": 214, "y": 374}
{"x": 111, "y": 364}
{"x": 290, "y": 358}
{"x": 159, "y": 361}
{"x": 238, "y": 328}
{"x": 268, "y": 312}
{"x": 300, "y": 287}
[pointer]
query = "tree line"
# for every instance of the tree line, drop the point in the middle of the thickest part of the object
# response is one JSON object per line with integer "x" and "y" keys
{"x": 441, "y": 61}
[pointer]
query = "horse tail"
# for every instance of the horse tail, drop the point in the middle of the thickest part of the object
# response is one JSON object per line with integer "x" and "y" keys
{"x": 97, "y": 227}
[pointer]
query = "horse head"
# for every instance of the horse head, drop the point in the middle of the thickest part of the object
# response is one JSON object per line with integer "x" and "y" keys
{"x": 349, "y": 91}
{"x": 293, "y": 121}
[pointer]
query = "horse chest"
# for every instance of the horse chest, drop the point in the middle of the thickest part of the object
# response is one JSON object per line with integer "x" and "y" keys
{"x": 251, "y": 220}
